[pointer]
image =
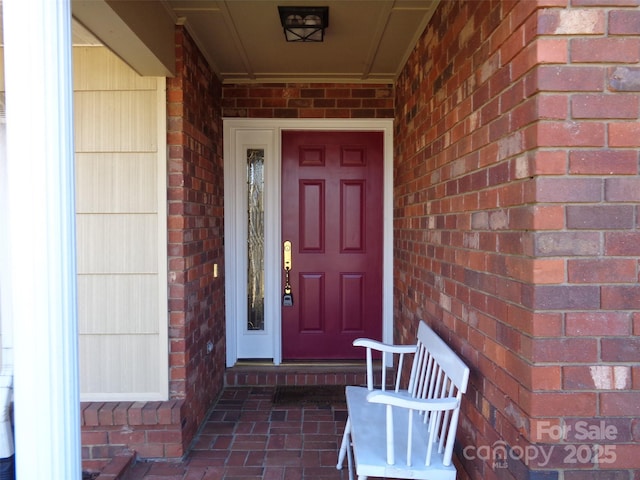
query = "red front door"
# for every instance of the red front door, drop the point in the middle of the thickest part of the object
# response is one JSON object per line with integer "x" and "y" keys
{"x": 332, "y": 199}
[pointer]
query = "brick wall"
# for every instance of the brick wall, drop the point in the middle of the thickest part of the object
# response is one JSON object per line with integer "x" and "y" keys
{"x": 151, "y": 429}
{"x": 196, "y": 228}
{"x": 590, "y": 128}
{"x": 305, "y": 100}
{"x": 517, "y": 231}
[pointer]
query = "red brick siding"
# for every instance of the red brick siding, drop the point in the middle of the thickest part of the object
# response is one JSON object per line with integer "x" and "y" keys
{"x": 151, "y": 429}
{"x": 308, "y": 100}
{"x": 597, "y": 188}
{"x": 515, "y": 218}
{"x": 255, "y": 376}
{"x": 196, "y": 227}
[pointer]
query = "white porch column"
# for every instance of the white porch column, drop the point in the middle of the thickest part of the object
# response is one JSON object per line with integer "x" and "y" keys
{"x": 39, "y": 94}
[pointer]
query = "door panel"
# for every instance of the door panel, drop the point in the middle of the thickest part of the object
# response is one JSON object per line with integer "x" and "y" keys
{"x": 352, "y": 302}
{"x": 311, "y": 303}
{"x": 352, "y": 217}
{"x": 332, "y": 203}
{"x": 312, "y": 215}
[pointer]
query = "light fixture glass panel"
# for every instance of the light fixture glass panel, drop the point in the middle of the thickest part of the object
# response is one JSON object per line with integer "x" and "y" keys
{"x": 312, "y": 20}
{"x": 304, "y": 34}
{"x": 255, "y": 239}
{"x": 304, "y": 24}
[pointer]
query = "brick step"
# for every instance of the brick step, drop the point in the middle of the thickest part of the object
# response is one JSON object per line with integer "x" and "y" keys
{"x": 255, "y": 374}
{"x": 117, "y": 468}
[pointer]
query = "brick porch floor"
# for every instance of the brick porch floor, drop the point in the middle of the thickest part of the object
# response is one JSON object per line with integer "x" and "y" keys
{"x": 248, "y": 437}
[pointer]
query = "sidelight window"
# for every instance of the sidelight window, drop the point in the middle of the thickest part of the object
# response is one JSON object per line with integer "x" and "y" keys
{"x": 255, "y": 239}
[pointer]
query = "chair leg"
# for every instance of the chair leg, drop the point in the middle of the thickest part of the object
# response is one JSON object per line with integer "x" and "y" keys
{"x": 350, "y": 459}
{"x": 344, "y": 446}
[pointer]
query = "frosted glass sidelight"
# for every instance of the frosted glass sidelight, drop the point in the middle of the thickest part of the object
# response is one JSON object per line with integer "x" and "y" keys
{"x": 255, "y": 239}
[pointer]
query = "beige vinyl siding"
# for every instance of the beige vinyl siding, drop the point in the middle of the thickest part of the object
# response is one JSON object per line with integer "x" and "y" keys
{"x": 121, "y": 229}
{"x": 117, "y": 181}
{"x": 123, "y": 124}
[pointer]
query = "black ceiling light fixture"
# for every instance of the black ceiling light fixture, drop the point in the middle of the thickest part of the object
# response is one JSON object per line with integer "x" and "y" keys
{"x": 304, "y": 24}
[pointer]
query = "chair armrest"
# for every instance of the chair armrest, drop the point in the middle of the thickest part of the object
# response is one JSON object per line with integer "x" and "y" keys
{"x": 384, "y": 347}
{"x": 398, "y": 399}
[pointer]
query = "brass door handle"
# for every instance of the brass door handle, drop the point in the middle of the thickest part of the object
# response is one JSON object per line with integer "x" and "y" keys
{"x": 286, "y": 255}
{"x": 287, "y": 298}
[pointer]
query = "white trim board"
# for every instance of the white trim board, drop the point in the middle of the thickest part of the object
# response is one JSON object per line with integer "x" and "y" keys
{"x": 240, "y": 134}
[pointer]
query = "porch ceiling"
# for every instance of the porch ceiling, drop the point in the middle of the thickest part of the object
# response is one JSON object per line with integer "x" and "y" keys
{"x": 366, "y": 41}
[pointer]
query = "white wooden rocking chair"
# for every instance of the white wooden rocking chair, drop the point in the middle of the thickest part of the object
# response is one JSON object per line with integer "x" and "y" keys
{"x": 406, "y": 433}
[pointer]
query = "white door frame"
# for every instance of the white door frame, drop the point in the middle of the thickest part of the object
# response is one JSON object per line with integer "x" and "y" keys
{"x": 240, "y": 134}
